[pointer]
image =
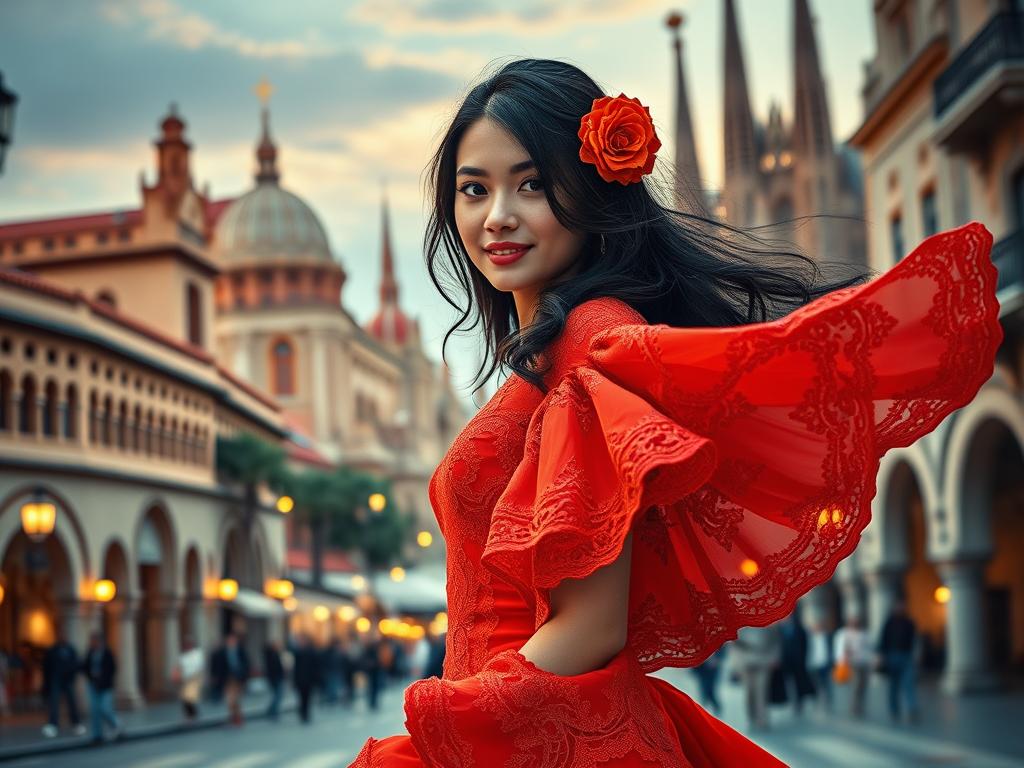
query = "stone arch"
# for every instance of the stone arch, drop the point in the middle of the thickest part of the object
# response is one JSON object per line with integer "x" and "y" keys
{"x": 68, "y": 529}
{"x": 901, "y": 473}
{"x": 155, "y": 513}
{"x": 974, "y": 439}
{"x": 115, "y": 564}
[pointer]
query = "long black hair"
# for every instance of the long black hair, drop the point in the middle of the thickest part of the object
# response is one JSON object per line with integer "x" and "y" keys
{"x": 674, "y": 267}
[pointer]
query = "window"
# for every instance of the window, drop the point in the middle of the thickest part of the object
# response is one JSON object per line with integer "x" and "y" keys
{"x": 896, "y": 235}
{"x": 48, "y": 243}
{"x": 282, "y": 366}
{"x": 194, "y": 314}
{"x": 124, "y": 235}
{"x": 929, "y": 216}
{"x": 71, "y": 412}
{"x": 70, "y": 241}
{"x": 101, "y": 238}
{"x": 1017, "y": 195}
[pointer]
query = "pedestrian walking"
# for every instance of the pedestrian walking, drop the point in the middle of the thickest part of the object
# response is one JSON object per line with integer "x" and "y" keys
{"x": 100, "y": 668}
{"x": 273, "y": 669}
{"x": 331, "y": 671}
{"x": 230, "y": 672}
{"x": 796, "y": 680}
{"x": 376, "y": 654}
{"x": 757, "y": 651}
{"x": 60, "y": 666}
{"x": 896, "y": 648}
{"x": 188, "y": 674}
{"x": 435, "y": 665}
{"x": 708, "y": 674}
{"x": 305, "y": 674}
{"x": 854, "y": 659}
{"x": 819, "y": 662}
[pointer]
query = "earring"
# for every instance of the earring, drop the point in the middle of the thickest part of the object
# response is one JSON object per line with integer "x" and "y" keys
{"x": 603, "y": 246}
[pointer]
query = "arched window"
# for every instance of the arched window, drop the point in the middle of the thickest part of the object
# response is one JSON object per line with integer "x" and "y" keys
{"x": 50, "y": 401}
{"x": 137, "y": 429}
{"x": 6, "y": 389}
{"x": 150, "y": 429}
{"x": 107, "y": 421}
{"x": 71, "y": 413}
{"x": 172, "y": 448}
{"x": 29, "y": 406}
{"x": 194, "y": 314}
{"x": 282, "y": 367}
{"x": 122, "y": 425}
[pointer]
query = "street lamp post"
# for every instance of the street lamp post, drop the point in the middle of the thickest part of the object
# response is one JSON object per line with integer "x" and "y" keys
{"x": 8, "y": 99}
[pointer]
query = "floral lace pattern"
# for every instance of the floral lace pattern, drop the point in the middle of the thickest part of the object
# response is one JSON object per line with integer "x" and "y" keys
{"x": 743, "y": 460}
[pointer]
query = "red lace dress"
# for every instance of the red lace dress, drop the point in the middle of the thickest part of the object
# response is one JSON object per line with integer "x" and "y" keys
{"x": 743, "y": 460}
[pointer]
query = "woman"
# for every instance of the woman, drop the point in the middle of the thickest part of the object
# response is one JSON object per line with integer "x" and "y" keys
{"x": 854, "y": 650}
{"x": 674, "y": 456}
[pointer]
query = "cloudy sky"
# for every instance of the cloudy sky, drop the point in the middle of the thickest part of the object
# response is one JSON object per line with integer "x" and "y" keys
{"x": 362, "y": 90}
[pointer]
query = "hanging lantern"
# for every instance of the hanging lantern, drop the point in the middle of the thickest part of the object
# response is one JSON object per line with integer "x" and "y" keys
{"x": 38, "y": 516}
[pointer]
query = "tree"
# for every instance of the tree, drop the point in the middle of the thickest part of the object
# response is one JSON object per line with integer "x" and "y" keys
{"x": 249, "y": 461}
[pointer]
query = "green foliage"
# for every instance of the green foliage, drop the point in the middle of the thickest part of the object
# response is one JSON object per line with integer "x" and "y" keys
{"x": 246, "y": 459}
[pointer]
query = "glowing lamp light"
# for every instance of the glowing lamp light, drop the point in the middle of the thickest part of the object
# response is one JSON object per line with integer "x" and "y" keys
{"x": 377, "y": 502}
{"x": 749, "y": 568}
{"x": 346, "y": 613}
{"x": 227, "y": 590}
{"x": 424, "y": 538}
{"x": 38, "y": 516}
{"x": 279, "y": 588}
{"x": 387, "y": 626}
{"x": 285, "y": 504}
{"x": 358, "y": 582}
{"x": 290, "y": 604}
{"x": 398, "y": 573}
{"x": 1, "y": 594}
{"x": 942, "y": 595}
{"x": 321, "y": 613}
{"x": 831, "y": 515}
{"x": 104, "y": 590}
{"x": 363, "y": 624}
{"x": 417, "y": 632}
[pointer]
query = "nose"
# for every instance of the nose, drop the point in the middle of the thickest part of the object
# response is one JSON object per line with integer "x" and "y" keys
{"x": 501, "y": 215}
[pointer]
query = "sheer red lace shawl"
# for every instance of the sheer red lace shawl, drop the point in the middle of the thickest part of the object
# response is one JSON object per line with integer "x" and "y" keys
{"x": 743, "y": 459}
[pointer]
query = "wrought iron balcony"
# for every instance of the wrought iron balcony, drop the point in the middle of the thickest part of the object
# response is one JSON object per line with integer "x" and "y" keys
{"x": 986, "y": 78}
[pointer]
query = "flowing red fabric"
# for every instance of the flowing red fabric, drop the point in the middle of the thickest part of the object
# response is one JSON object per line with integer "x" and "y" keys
{"x": 743, "y": 459}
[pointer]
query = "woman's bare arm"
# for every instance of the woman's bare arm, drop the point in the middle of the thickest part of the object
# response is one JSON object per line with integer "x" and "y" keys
{"x": 587, "y": 625}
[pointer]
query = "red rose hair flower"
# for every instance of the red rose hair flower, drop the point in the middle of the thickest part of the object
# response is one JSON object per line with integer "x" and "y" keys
{"x": 619, "y": 139}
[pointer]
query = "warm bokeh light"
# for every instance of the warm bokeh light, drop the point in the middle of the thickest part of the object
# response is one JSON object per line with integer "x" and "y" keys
{"x": 363, "y": 624}
{"x": 38, "y": 518}
{"x": 387, "y": 626}
{"x": 398, "y": 573}
{"x": 377, "y": 501}
{"x": 279, "y": 588}
{"x": 290, "y": 604}
{"x": 358, "y": 582}
{"x": 942, "y": 595}
{"x": 347, "y": 612}
{"x": 749, "y": 568}
{"x": 227, "y": 589}
{"x": 104, "y": 590}
{"x": 424, "y": 538}
{"x": 833, "y": 515}
{"x": 285, "y": 504}
{"x": 1, "y": 594}
{"x": 321, "y": 613}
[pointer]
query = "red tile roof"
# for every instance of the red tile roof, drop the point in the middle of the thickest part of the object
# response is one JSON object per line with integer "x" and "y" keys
{"x": 56, "y": 226}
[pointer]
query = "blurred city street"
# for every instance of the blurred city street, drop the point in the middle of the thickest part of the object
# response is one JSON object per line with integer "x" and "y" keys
{"x": 974, "y": 732}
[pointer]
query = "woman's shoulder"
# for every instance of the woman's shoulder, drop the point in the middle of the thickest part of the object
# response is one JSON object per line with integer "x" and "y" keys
{"x": 583, "y": 323}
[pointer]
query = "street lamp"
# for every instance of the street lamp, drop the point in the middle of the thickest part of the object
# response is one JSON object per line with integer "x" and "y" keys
{"x": 227, "y": 589}
{"x": 38, "y": 516}
{"x": 377, "y": 501}
{"x": 7, "y": 101}
{"x": 279, "y": 588}
{"x": 104, "y": 590}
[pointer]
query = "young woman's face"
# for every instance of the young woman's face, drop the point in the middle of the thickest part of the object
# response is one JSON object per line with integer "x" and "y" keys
{"x": 503, "y": 216}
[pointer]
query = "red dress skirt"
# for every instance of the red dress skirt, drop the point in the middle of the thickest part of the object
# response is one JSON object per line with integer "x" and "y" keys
{"x": 743, "y": 460}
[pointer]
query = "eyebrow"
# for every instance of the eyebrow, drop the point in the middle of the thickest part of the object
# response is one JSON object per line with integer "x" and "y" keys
{"x": 468, "y": 170}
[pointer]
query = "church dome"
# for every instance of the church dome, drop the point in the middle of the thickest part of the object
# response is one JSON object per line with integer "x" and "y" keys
{"x": 268, "y": 221}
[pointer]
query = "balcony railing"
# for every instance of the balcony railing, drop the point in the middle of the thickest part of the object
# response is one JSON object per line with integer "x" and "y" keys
{"x": 999, "y": 41}
{"x": 1008, "y": 256}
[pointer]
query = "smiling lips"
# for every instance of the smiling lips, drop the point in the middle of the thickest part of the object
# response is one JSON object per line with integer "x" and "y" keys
{"x": 505, "y": 253}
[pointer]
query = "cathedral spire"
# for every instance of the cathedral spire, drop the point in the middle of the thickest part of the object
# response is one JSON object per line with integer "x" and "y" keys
{"x": 812, "y": 127}
{"x": 388, "y": 284}
{"x": 689, "y": 189}
{"x": 266, "y": 150}
{"x": 740, "y": 147}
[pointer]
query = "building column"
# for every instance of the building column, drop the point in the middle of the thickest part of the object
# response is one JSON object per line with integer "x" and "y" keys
{"x": 318, "y": 379}
{"x": 884, "y": 586}
{"x": 122, "y": 611}
{"x": 167, "y": 613}
{"x": 968, "y": 666}
{"x": 197, "y": 623}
